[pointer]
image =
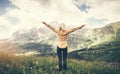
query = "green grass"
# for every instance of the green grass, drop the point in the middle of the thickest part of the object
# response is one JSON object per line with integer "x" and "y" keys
{"x": 10, "y": 64}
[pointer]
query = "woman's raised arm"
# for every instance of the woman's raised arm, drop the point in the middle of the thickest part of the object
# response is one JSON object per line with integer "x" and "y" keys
{"x": 49, "y": 26}
{"x": 74, "y": 29}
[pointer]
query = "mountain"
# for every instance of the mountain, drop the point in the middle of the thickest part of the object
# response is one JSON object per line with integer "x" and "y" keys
{"x": 24, "y": 35}
{"x": 83, "y": 38}
{"x": 107, "y": 49}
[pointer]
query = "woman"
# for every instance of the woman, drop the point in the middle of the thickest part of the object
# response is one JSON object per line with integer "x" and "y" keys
{"x": 62, "y": 34}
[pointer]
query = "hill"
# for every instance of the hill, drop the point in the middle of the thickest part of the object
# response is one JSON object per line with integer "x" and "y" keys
{"x": 108, "y": 51}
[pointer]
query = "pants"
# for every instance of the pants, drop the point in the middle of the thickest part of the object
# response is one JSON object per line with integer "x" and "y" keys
{"x": 62, "y": 57}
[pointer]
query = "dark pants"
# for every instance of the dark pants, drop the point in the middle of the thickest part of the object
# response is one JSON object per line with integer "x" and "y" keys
{"x": 62, "y": 57}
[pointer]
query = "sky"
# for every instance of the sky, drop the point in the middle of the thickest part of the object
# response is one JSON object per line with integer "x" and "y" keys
{"x": 18, "y": 14}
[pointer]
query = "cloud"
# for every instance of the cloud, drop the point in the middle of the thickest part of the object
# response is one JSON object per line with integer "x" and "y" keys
{"x": 35, "y": 11}
{"x": 30, "y": 13}
{"x": 55, "y": 10}
{"x": 5, "y": 29}
{"x": 106, "y": 9}
{"x": 96, "y": 22}
{"x": 101, "y": 9}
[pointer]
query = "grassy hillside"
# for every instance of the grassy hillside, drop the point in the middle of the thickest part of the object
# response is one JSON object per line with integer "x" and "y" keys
{"x": 99, "y": 59}
{"x": 108, "y": 51}
{"x": 10, "y": 64}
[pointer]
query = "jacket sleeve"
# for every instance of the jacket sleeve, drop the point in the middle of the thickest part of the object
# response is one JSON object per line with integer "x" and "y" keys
{"x": 74, "y": 29}
{"x": 52, "y": 28}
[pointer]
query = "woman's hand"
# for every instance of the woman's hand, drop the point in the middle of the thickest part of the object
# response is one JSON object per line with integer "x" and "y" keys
{"x": 44, "y": 22}
{"x": 83, "y": 25}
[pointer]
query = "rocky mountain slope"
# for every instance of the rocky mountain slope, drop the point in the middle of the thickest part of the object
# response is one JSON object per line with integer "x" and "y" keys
{"x": 84, "y": 38}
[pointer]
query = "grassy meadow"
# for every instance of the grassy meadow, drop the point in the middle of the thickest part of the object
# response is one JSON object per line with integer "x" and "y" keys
{"x": 11, "y": 64}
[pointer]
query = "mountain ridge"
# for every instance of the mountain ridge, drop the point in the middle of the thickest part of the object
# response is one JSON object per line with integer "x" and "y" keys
{"x": 84, "y": 38}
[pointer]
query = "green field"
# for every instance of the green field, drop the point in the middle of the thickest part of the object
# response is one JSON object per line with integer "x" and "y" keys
{"x": 48, "y": 65}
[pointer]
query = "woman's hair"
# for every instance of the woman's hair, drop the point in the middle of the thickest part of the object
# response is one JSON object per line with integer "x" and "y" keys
{"x": 62, "y": 26}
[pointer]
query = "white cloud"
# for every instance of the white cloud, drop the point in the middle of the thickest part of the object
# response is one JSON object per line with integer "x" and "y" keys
{"x": 106, "y": 9}
{"x": 102, "y": 9}
{"x": 57, "y": 10}
{"x": 30, "y": 13}
{"x": 5, "y": 27}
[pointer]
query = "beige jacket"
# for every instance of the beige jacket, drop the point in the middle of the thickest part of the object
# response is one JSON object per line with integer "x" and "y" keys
{"x": 62, "y": 35}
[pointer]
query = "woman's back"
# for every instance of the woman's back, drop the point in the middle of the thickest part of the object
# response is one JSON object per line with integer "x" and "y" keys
{"x": 62, "y": 38}
{"x": 62, "y": 35}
